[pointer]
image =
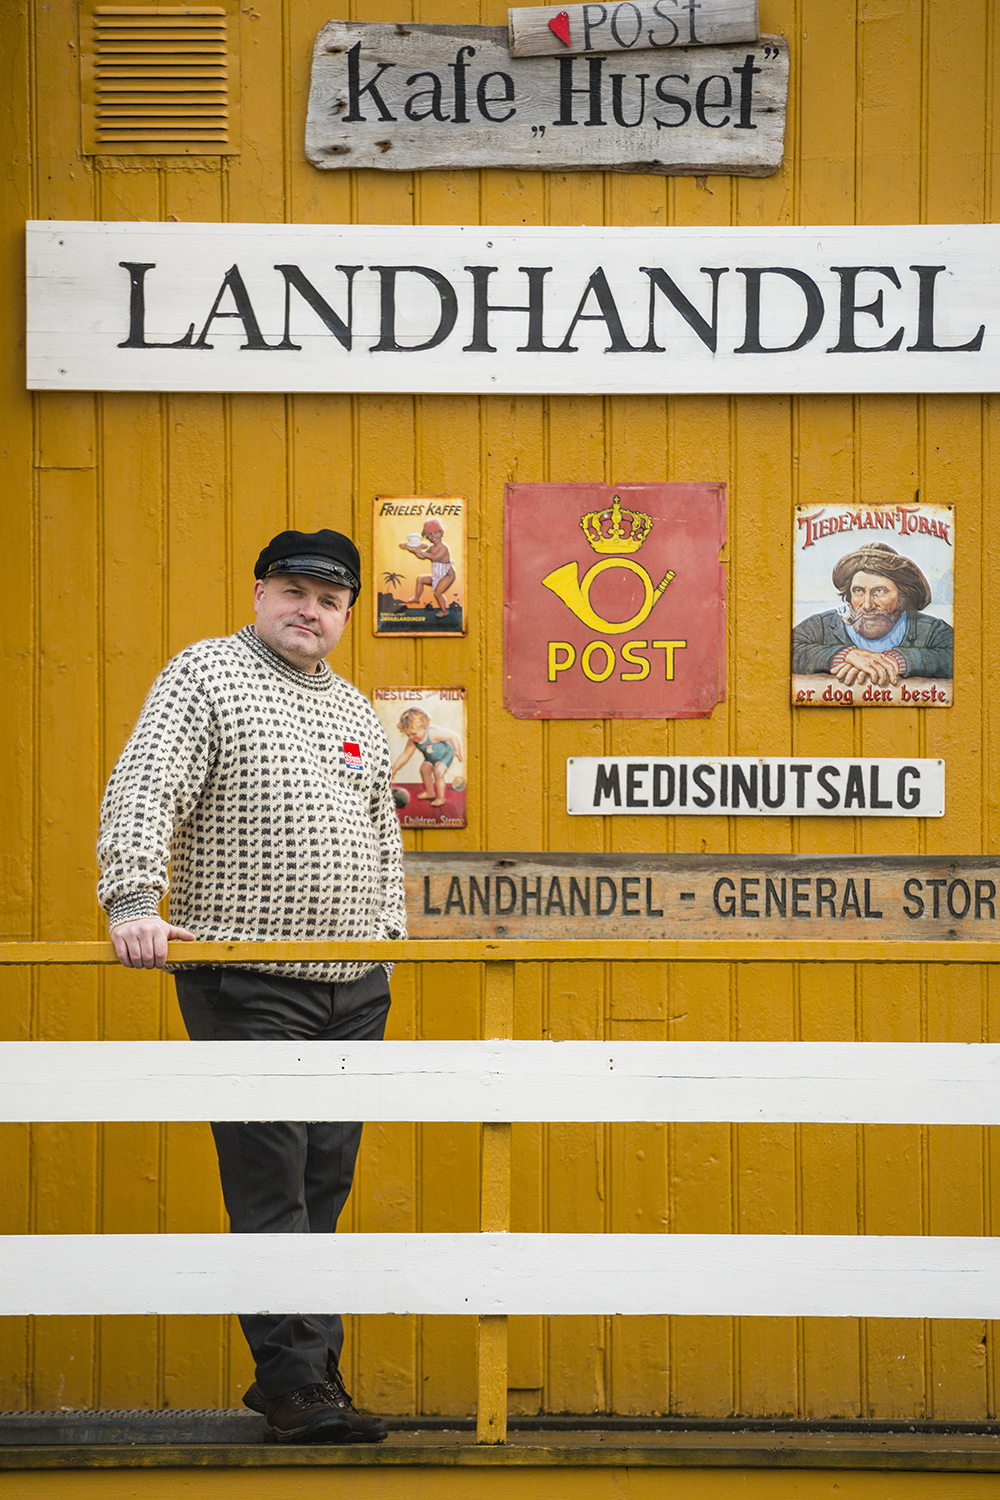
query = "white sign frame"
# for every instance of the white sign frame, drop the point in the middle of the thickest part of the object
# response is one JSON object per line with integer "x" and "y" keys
{"x": 528, "y": 310}
{"x": 705, "y": 786}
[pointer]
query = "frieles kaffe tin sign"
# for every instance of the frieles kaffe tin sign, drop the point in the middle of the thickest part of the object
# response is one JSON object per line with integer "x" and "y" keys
{"x": 614, "y": 600}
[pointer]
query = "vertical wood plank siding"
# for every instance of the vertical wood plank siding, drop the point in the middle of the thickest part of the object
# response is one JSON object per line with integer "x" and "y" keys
{"x": 129, "y": 527}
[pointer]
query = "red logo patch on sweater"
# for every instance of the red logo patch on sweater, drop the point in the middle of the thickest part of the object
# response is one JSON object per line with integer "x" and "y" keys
{"x": 352, "y": 756}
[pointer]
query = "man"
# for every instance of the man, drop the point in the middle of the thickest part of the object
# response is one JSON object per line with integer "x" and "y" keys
{"x": 879, "y": 636}
{"x": 264, "y": 778}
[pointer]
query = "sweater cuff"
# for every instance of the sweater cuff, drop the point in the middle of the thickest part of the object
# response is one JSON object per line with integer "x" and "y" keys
{"x": 137, "y": 907}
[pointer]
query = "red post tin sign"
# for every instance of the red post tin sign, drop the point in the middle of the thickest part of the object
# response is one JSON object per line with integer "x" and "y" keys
{"x": 614, "y": 600}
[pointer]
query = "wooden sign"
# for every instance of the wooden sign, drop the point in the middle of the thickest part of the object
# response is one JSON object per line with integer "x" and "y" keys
{"x": 474, "y": 308}
{"x": 630, "y": 25}
{"x": 614, "y": 600}
{"x": 752, "y": 786}
{"x": 405, "y": 97}
{"x": 702, "y": 896}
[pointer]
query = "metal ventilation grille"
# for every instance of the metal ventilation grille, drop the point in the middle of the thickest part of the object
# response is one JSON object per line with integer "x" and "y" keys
{"x": 159, "y": 80}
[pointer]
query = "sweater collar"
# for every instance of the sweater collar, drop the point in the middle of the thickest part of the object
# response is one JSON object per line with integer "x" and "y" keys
{"x": 310, "y": 682}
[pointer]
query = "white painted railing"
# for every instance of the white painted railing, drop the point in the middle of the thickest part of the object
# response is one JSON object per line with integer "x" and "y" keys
{"x": 489, "y": 1274}
{"x": 494, "y": 1274}
{"x": 838, "y": 1276}
{"x": 870, "y": 1083}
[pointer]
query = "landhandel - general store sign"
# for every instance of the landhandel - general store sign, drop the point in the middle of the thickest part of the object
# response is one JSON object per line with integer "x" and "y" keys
{"x": 259, "y": 307}
{"x": 537, "y": 895}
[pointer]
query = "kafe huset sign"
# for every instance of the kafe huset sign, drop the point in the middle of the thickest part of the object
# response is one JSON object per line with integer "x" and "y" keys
{"x": 257, "y": 307}
{"x": 405, "y": 97}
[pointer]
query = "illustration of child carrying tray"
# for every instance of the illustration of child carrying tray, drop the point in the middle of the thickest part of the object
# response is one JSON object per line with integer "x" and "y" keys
{"x": 442, "y": 575}
{"x": 428, "y": 595}
{"x": 439, "y": 747}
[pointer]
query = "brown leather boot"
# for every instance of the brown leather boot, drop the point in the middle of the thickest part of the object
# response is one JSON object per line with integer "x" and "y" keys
{"x": 364, "y": 1428}
{"x": 308, "y": 1415}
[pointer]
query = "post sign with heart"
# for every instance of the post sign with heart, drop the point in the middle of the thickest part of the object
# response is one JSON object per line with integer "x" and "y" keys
{"x": 630, "y": 26}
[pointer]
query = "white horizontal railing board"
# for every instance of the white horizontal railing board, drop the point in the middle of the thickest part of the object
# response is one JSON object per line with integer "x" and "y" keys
{"x": 709, "y": 1275}
{"x": 822, "y": 1082}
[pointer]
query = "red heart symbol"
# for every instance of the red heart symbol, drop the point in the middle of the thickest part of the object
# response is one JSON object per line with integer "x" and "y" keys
{"x": 559, "y": 26}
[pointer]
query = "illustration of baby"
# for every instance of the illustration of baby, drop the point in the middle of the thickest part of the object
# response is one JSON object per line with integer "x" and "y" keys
{"x": 439, "y": 747}
{"x": 442, "y": 575}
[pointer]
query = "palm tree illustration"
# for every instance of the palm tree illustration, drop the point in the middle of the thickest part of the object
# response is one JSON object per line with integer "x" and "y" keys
{"x": 391, "y": 579}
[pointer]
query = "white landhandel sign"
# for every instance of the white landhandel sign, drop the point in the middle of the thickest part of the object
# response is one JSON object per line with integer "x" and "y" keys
{"x": 346, "y": 307}
{"x": 685, "y": 786}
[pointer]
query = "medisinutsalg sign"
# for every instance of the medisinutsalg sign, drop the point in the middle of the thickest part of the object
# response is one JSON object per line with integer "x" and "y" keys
{"x": 314, "y": 307}
{"x": 742, "y": 786}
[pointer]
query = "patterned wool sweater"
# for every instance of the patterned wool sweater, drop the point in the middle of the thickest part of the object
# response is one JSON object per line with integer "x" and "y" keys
{"x": 241, "y": 773}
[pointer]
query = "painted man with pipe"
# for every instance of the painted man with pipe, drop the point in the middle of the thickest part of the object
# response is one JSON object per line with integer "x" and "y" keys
{"x": 879, "y": 634}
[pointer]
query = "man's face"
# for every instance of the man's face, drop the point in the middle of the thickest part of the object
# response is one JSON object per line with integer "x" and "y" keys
{"x": 875, "y": 605}
{"x": 300, "y": 618}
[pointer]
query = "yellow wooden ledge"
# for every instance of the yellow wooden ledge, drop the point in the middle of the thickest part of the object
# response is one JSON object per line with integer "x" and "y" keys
{"x": 535, "y": 950}
{"x": 921, "y": 1452}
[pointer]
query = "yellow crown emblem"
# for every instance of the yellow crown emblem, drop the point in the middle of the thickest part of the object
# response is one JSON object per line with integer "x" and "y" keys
{"x": 616, "y": 530}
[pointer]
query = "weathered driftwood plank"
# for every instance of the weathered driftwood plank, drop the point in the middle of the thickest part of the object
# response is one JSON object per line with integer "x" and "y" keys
{"x": 714, "y": 897}
{"x": 407, "y": 97}
{"x": 629, "y": 26}
{"x": 873, "y": 1083}
{"x": 789, "y": 1275}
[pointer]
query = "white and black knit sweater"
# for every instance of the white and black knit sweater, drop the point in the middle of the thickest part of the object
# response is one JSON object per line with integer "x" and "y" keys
{"x": 237, "y": 774}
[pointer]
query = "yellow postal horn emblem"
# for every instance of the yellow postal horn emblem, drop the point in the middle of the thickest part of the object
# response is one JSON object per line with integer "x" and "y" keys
{"x": 574, "y": 592}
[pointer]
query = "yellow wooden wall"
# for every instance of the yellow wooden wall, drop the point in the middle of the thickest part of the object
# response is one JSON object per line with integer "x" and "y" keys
{"x": 128, "y": 528}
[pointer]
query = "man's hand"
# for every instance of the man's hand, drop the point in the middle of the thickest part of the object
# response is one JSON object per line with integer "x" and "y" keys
{"x": 867, "y": 666}
{"x": 143, "y": 944}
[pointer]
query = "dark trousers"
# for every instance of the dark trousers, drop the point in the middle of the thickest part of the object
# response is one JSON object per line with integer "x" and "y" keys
{"x": 285, "y": 1176}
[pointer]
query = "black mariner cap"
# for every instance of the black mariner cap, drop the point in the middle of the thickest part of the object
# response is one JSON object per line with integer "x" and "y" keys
{"x": 319, "y": 554}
